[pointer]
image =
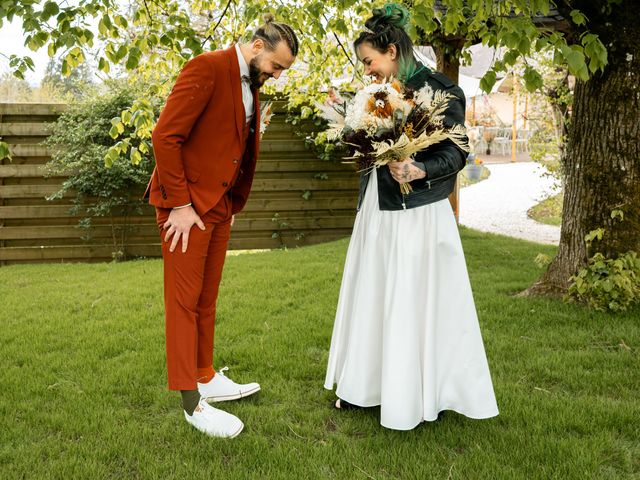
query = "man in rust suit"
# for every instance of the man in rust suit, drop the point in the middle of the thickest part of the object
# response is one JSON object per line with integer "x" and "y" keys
{"x": 205, "y": 145}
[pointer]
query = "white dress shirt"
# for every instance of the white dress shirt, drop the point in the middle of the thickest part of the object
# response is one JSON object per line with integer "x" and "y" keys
{"x": 247, "y": 96}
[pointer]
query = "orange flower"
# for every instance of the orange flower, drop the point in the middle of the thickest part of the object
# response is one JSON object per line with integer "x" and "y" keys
{"x": 379, "y": 106}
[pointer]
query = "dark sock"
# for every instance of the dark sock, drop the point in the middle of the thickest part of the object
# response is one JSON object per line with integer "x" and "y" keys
{"x": 190, "y": 399}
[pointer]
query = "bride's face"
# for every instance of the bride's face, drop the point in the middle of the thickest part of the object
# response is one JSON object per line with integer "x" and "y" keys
{"x": 380, "y": 65}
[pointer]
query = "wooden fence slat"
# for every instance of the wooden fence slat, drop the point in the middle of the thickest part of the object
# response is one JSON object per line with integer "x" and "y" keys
{"x": 25, "y": 129}
{"x": 21, "y": 171}
{"x": 32, "y": 108}
{"x": 29, "y": 191}
{"x": 33, "y": 229}
{"x": 27, "y": 150}
{"x": 88, "y": 252}
{"x": 151, "y": 229}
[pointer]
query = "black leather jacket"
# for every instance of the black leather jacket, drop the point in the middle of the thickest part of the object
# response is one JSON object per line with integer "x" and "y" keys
{"x": 441, "y": 161}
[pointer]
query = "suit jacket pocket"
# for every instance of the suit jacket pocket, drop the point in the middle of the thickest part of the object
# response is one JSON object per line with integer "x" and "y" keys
{"x": 192, "y": 175}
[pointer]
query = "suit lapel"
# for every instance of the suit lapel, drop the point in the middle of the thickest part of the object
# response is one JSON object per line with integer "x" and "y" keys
{"x": 256, "y": 122}
{"x": 236, "y": 90}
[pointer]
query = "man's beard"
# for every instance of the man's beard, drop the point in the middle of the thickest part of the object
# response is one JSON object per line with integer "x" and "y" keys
{"x": 256, "y": 76}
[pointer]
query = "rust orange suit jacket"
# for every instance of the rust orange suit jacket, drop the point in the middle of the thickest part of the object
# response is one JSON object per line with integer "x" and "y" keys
{"x": 198, "y": 140}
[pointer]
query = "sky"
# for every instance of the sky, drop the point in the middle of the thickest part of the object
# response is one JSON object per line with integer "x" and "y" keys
{"x": 12, "y": 42}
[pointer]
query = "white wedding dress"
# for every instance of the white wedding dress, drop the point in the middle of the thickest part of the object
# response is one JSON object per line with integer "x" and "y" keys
{"x": 406, "y": 334}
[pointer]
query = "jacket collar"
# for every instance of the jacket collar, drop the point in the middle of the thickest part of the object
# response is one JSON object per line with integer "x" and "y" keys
{"x": 418, "y": 79}
{"x": 236, "y": 88}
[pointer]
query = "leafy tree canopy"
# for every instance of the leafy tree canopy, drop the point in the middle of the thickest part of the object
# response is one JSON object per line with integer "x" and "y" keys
{"x": 152, "y": 39}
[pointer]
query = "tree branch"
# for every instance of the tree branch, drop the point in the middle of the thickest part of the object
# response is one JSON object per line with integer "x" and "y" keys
{"x": 340, "y": 43}
{"x": 210, "y": 36}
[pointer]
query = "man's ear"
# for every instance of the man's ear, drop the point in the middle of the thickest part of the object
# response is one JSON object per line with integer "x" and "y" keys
{"x": 257, "y": 46}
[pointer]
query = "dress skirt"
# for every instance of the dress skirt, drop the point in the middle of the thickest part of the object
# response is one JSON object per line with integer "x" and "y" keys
{"x": 406, "y": 335}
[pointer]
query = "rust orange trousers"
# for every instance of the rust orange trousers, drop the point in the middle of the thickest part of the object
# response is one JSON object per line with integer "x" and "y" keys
{"x": 191, "y": 282}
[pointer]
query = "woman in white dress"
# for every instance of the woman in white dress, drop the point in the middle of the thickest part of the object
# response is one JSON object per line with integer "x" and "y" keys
{"x": 406, "y": 335}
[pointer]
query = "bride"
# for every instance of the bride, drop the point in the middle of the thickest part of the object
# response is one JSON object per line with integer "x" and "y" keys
{"x": 406, "y": 335}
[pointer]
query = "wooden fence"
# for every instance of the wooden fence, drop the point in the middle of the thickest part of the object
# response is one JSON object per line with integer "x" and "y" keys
{"x": 296, "y": 199}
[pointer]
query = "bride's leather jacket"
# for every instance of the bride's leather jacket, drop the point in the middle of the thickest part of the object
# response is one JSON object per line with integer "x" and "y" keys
{"x": 441, "y": 161}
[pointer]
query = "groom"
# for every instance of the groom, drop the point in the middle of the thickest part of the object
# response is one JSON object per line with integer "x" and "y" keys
{"x": 205, "y": 145}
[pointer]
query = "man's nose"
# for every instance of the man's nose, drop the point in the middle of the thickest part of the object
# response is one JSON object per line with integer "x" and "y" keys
{"x": 277, "y": 74}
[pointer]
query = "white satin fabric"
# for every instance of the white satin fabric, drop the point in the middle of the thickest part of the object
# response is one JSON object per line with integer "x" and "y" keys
{"x": 406, "y": 334}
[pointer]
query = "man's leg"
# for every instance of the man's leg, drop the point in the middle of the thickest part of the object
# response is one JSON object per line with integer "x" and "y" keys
{"x": 206, "y": 308}
{"x": 183, "y": 280}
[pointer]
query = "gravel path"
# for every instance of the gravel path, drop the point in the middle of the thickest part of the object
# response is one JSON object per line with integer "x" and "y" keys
{"x": 500, "y": 203}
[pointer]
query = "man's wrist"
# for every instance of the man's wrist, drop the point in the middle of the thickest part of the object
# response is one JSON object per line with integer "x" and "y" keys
{"x": 181, "y": 206}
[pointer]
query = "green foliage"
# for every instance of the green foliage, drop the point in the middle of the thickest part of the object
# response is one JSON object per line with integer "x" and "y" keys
{"x": 313, "y": 129}
{"x": 80, "y": 140}
{"x": 607, "y": 283}
{"x": 151, "y": 41}
{"x": 5, "y": 152}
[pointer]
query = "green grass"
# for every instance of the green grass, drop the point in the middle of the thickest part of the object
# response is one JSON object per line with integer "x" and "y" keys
{"x": 84, "y": 387}
{"x": 548, "y": 211}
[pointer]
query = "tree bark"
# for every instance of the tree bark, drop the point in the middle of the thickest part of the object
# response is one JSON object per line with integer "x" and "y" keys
{"x": 602, "y": 162}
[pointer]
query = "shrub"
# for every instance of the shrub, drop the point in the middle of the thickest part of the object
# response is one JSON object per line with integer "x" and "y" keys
{"x": 607, "y": 283}
{"x": 79, "y": 142}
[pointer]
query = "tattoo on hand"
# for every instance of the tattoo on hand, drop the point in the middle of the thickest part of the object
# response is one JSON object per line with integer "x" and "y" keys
{"x": 405, "y": 176}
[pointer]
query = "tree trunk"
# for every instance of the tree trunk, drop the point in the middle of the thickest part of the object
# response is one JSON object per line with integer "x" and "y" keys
{"x": 602, "y": 162}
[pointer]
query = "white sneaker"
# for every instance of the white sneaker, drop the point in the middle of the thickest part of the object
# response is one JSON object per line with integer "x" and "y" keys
{"x": 214, "y": 422}
{"x": 221, "y": 388}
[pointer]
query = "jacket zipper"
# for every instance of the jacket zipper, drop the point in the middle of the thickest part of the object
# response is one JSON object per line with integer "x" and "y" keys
{"x": 404, "y": 204}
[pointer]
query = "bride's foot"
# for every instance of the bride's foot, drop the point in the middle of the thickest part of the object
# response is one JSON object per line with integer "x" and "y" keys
{"x": 344, "y": 405}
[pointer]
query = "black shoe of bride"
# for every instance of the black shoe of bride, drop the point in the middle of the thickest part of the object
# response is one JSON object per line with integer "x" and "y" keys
{"x": 341, "y": 404}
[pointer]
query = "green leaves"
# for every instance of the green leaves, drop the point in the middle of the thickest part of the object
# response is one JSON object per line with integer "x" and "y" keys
{"x": 574, "y": 56}
{"x": 532, "y": 79}
{"x": 578, "y": 18}
{"x": 488, "y": 81}
{"x": 4, "y": 151}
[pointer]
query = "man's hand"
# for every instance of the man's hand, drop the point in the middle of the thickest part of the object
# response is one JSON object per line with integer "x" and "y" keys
{"x": 179, "y": 225}
{"x": 406, "y": 171}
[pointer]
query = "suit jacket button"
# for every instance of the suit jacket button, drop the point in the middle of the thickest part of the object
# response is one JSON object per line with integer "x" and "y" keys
{"x": 224, "y": 184}
{"x": 235, "y": 160}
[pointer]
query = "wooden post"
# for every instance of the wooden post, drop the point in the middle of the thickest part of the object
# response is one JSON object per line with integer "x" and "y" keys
{"x": 473, "y": 107}
{"x": 449, "y": 64}
{"x": 514, "y": 129}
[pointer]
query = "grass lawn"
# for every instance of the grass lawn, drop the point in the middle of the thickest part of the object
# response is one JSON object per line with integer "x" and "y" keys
{"x": 84, "y": 387}
{"x": 548, "y": 211}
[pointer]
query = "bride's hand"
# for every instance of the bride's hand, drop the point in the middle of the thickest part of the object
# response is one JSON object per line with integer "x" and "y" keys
{"x": 406, "y": 171}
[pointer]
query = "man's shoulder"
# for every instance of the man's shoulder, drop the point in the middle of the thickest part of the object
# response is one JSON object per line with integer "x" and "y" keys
{"x": 216, "y": 59}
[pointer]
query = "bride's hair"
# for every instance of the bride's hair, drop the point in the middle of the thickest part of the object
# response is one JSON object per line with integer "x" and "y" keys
{"x": 386, "y": 27}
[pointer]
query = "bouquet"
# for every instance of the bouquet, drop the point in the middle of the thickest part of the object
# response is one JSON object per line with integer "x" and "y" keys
{"x": 266, "y": 112}
{"x": 387, "y": 122}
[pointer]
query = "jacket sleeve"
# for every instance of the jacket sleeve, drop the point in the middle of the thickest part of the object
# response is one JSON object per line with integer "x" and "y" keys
{"x": 446, "y": 158}
{"x": 187, "y": 100}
